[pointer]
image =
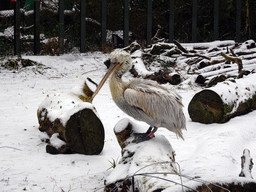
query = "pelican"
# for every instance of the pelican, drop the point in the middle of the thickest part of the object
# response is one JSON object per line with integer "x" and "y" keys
{"x": 144, "y": 100}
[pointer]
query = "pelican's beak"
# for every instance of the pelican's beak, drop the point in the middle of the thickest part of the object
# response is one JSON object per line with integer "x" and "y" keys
{"x": 112, "y": 67}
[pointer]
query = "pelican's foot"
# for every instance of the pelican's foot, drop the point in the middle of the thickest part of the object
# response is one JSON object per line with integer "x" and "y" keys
{"x": 140, "y": 137}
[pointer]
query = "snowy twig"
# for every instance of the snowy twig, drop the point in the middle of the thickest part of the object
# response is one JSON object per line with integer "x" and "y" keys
{"x": 93, "y": 82}
{"x": 246, "y": 164}
{"x": 11, "y": 148}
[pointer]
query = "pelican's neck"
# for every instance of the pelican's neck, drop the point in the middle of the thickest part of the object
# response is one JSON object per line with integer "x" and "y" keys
{"x": 116, "y": 85}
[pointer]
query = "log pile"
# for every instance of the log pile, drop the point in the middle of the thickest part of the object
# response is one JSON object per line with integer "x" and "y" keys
{"x": 203, "y": 61}
{"x": 212, "y": 65}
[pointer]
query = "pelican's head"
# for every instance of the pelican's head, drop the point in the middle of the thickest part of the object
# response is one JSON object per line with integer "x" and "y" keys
{"x": 120, "y": 60}
{"x": 120, "y": 63}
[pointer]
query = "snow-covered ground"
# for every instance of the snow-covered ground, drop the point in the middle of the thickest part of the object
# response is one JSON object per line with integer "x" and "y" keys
{"x": 212, "y": 152}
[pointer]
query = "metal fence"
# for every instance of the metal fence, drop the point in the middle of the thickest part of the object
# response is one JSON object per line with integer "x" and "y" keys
{"x": 25, "y": 27}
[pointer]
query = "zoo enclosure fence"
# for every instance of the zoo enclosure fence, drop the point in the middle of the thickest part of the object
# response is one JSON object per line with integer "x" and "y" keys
{"x": 17, "y": 30}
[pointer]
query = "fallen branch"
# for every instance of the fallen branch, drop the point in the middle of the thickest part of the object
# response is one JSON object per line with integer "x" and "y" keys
{"x": 180, "y": 46}
{"x": 217, "y": 61}
{"x": 238, "y": 61}
{"x": 233, "y": 53}
{"x": 196, "y": 55}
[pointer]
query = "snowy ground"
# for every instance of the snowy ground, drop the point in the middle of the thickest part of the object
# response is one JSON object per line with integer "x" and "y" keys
{"x": 212, "y": 152}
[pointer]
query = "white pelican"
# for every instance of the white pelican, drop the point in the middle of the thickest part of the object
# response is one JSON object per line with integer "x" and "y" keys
{"x": 144, "y": 100}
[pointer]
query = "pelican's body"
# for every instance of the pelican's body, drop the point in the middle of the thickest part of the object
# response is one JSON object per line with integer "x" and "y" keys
{"x": 144, "y": 100}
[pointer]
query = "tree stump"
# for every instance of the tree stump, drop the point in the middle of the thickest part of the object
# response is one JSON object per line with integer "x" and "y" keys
{"x": 226, "y": 100}
{"x": 75, "y": 121}
{"x": 140, "y": 162}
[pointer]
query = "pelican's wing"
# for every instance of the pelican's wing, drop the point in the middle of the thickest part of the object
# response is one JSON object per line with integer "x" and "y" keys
{"x": 156, "y": 101}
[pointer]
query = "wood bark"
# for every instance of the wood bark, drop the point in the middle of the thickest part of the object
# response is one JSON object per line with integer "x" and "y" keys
{"x": 224, "y": 101}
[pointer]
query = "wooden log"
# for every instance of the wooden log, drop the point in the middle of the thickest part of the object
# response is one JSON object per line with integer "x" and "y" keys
{"x": 224, "y": 101}
{"x": 141, "y": 161}
{"x": 75, "y": 121}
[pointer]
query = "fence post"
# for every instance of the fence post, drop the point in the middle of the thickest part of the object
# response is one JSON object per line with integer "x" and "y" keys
{"x": 238, "y": 20}
{"x": 103, "y": 22}
{"x": 17, "y": 28}
{"x": 83, "y": 27}
{"x": 126, "y": 23}
{"x": 216, "y": 19}
{"x": 194, "y": 21}
{"x": 36, "y": 27}
{"x": 171, "y": 21}
{"x": 61, "y": 21}
{"x": 149, "y": 22}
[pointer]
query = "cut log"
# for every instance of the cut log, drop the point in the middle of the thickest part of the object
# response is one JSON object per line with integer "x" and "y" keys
{"x": 75, "y": 121}
{"x": 141, "y": 162}
{"x": 226, "y": 100}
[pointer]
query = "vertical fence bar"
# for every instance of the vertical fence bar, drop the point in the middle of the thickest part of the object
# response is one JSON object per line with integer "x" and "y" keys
{"x": 216, "y": 19}
{"x": 103, "y": 22}
{"x": 126, "y": 23}
{"x": 36, "y": 27}
{"x": 171, "y": 21}
{"x": 17, "y": 28}
{"x": 149, "y": 22}
{"x": 194, "y": 21}
{"x": 238, "y": 20}
{"x": 61, "y": 23}
{"x": 83, "y": 27}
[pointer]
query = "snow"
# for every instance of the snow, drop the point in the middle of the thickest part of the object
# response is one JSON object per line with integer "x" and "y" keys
{"x": 63, "y": 106}
{"x": 139, "y": 65}
{"x": 212, "y": 152}
{"x": 55, "y": 141}
{"x": 121, "y": 125}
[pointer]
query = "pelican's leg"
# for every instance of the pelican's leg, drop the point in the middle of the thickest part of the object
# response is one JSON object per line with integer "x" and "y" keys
{"x": 139, "y": 137}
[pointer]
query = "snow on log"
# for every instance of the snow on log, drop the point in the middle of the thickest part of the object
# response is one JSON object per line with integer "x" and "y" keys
{"x": 73, "y": 120}
{"x": 226, "y": 100}
{"x": 141, "y": 162}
